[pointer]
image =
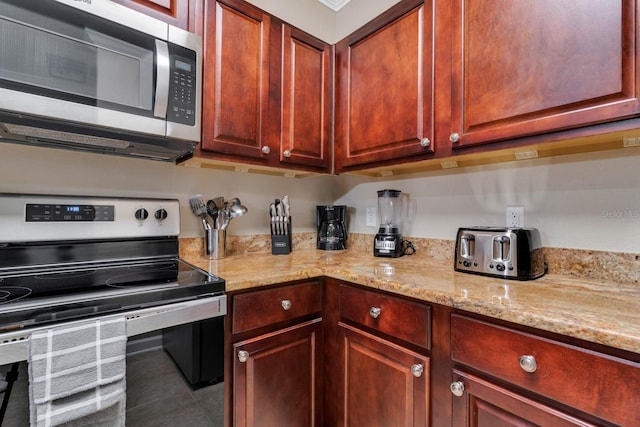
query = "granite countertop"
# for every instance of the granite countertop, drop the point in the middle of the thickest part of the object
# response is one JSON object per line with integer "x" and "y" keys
{"x": 603, "y": 312}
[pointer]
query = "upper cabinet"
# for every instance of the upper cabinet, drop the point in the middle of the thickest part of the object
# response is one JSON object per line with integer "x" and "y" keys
{"x": 180, "y": 13}
{"x": 236, "y": 79}
{"x": 267, "y": 90}
{"x": 523, "y": 68}
{"x": 384, "y": 90}
{"x": 305, "y": 94}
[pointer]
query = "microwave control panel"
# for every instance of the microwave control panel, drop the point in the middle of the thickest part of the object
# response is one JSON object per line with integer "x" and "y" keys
{"x": 182, "y": 86}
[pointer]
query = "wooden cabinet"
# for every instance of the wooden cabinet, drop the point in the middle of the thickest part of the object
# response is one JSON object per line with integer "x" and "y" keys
{"x": 277, "y": 378}
{"x": 236, "y": 80}
{"x": 275, "y": 357}
{"x": 484, "y": 404}
{"x": 383, "y": 362}
{"x": 385, "y": 384}
{"x": 523, "y": 68}
{"x": 267, "y": 90}
{"x": 180, "y": 13}
{"x": 305, "y": 126}
{"x": 544, "y": 380}
{"x": 384, "y": 93}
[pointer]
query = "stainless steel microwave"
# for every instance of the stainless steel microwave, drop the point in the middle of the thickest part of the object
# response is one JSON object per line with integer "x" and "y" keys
{"x": 96, "y": 76}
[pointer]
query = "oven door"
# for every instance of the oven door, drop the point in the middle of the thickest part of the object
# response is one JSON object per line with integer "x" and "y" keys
{"x": 156, "y": 386}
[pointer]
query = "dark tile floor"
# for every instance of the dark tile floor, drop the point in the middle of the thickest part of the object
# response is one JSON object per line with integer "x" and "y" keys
{"x": 157, "y": 395}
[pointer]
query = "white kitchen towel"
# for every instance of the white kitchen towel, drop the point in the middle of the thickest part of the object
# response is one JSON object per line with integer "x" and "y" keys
{"x": 77, "y": 373}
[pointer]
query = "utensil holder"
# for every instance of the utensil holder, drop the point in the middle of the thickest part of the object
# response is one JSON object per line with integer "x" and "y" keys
{"x": 281, "y": 243}
{"x": 215, "y": 243}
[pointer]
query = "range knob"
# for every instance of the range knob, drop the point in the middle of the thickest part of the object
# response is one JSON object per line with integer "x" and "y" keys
{"x": 141, "y": 214}
{"x": 161, "y": 214}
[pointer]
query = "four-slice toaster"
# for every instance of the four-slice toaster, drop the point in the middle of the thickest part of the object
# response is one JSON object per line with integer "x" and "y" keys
{"x": 509, "y": 253}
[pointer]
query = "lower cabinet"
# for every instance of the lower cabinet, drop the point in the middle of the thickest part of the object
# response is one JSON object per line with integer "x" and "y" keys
{"x": 481, "y": 403}
{"x": 274, "y": 365}
{"x": 525, "y": 379}
{"x": 277, "y": 378}
{"x": 385, "y": 384}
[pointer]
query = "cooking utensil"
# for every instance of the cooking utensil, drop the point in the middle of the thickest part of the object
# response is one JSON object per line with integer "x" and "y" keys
{"x": 287, "y": 213}
{"x": 237, "y": 208}
{"x": 226, "y": 216}
{"x": 199, "y": 208}
{"x": 272, "y": 215}
{"x": 212, "y": 210}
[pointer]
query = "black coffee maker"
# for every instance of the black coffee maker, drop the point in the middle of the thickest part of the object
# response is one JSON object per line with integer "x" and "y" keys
{"x": 332, "y": 227}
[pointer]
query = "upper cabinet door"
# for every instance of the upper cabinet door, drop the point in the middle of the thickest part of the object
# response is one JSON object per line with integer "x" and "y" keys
{"x": 306, "y": 100}
{"x": 384, "y": 88}
{"x": 179, "y": 13}
{"x": 527, "y": 67}
{"x": 236, "y": 79}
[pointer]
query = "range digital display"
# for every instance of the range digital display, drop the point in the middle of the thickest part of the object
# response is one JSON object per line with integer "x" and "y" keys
{"x": 69, "y": 213}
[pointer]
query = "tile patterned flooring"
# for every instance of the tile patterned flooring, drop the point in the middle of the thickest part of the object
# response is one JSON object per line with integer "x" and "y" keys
{"x": 157, "y": 396}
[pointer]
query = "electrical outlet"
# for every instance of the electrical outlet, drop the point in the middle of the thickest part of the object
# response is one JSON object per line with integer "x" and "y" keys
{"x": 371, "y": 217}
{"x": 515, "y": 216}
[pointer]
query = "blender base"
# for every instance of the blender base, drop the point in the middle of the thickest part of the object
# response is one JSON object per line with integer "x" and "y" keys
{"x": 388, "y": 245}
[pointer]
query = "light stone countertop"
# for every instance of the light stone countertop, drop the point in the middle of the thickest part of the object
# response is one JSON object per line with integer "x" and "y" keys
{"x": 604, "y": 312}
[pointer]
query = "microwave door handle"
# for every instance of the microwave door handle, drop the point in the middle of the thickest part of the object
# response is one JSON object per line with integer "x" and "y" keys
{"x": 162, "y": 79}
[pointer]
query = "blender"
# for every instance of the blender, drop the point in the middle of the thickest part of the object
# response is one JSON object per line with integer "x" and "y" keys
{"x": 392, "y": 209}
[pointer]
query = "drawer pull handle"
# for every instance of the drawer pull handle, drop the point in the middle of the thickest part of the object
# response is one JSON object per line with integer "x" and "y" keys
{"x": 528, "y": 363}
{"x": 457, "y": 388}
{"x": 417, "y": 369}
{"x": 286, "y": 304}
{"x": 243, "y": 356}
{"x": 375, "y": 312}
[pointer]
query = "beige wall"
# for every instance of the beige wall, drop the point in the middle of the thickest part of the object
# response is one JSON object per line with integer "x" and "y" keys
{"x": 586, "y": 201}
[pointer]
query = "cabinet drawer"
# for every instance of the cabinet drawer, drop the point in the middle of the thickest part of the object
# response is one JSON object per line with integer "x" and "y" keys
{"x": 406, "y": 320}
{"x": 598, "y": 384}
{"x": 271, "y": 306}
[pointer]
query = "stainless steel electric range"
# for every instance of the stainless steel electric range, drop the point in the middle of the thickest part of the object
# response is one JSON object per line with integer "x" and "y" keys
{"x": 65, "y": 259}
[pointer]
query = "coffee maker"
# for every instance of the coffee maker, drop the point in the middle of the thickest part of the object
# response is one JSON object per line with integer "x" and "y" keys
{"x": 392, "y": 211}
{"x": 332, "y": 227}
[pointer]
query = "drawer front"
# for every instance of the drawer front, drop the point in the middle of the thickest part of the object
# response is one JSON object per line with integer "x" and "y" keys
{"x": 406, "y": 320}
{"x": 598, "y": 384}
{"x": 271, "y": 306}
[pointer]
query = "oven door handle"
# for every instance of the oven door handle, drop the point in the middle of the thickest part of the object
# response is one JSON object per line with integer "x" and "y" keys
{"x": 14, "y": 346}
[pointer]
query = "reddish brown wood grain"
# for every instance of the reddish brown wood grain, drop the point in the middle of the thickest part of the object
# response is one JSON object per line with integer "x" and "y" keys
{"x": 597, "y": 384}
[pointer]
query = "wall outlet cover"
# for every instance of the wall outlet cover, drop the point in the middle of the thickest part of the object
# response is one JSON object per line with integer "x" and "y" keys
{"x": 371, "y": 220}
{"x": 515, "y": 216}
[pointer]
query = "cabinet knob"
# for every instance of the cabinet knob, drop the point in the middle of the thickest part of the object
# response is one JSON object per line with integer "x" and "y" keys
{"x": 243, "y": 356}
{"x": 454, "y": 137}
{"x": 457, "y": 388}
{"x": 266, "y": 149}
{"x": 425, "y": 142}
{"x": 286, "y": 304}
{"x": 528, "y": 363}
{"x": 375, "y": 312}
{"x": 417, "y": 369}
{"x": 287, "y": 153}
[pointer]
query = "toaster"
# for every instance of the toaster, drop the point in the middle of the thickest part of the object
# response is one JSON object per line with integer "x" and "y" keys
{"x": 508, "y": 253}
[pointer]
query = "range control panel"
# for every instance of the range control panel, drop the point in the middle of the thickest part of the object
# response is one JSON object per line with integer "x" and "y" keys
{"x": 33, "y": 217}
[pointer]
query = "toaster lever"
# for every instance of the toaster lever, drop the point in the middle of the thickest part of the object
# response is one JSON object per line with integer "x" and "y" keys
{"x": 501, "y": 248}
{"x": 468, "y": 245}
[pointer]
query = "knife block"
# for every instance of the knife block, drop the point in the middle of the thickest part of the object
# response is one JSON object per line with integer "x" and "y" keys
{"x": 281, "y": 243}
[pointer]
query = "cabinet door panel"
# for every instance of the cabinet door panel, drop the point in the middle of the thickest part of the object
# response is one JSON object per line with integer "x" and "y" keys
{"x": 484, "y": 404}
{"x": 306, "y": 100}
{"x": 175, "y": 12}
{"x": 380, "y": 389}
{"x": 236, "y": 78}
{"x": 522, "y": 68}
{"x": 384, "y": 90}
{"x": 280, "y": 382}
